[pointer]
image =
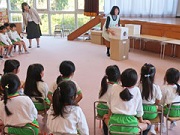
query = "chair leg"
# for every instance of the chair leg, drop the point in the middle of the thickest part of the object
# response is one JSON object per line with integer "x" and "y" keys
{"x": 94, "y": 126}
{"x": 167, "y": 127}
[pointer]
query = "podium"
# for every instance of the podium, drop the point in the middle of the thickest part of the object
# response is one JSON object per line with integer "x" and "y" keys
{"x": 119, "y": 44}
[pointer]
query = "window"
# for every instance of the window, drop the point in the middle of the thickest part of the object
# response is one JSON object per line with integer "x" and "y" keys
{"x": 3, "y": 4}
{"x": 15, "y": 17}
{"x": 65, "y": 20}
{"x": 45, "y": 25}
{"x": 15, "y": 5}
{"x": 80, "y": 4}
{"x": 62, "y": 5}
{"x": 101, "y": 5}
{"x": 41, "y": 4}
{"x": 82, "y": 19}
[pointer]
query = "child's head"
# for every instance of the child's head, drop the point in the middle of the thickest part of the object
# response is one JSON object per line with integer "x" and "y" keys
{"x": 13, "y": 27}
{"x": 11, "y": 66}
{"x": 172, "y": 77}
{"x": 115, "y": 10}
{"x": 10, "y": 83}
{"x": 35, "y": 73}
{"x": 7, "y": 26}
{"x": 64, "y": 95}
{"x": 129, "y": 78}
{"x": 67, "y": 69}
{"x": 147, "y": 79}
{"x": 3, "y": 29}
{"x": 112, "y": 75}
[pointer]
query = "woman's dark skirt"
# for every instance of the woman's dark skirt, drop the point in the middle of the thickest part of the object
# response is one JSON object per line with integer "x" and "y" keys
{"x": 33, "y": 30}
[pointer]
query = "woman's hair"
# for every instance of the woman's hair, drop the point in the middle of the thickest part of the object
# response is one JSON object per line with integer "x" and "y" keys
{"x": 112, "y": 75}
{"x": 12, "y": 25}
{"x": 64, "y": 95}
{"x": 147, "y": 79}
{"x": 10, "y": 84}
{"x": 33, "y": 76}
{"x": 128, "y": 78}
{"x": 23, "y": 5}
{"x": 112, "y": 12}
{"x": 66, "y": 68}
{"x": 172, "y": 77}
{"x": 11, "y": 65}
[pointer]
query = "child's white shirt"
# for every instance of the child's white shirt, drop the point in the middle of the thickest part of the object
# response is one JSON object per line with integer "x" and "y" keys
{"x": 132, "y": 107}
{"x": 5, "y": 39}
{"x": 169, "y": 94}
{"x": 43, "y": 88}
{"x": 13, "y": 35}
{"x": 157, "y": 94}
{"x": 74, "y": 120}
{"x": 22, "y": 109}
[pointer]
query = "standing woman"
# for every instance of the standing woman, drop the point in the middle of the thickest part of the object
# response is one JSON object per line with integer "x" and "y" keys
{"x": 31, "y": 21}
{"x": 113, "y": 20}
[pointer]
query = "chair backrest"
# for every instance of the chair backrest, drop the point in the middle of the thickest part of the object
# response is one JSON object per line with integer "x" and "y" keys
{"x": 57, "y": 28}
{"x": 175, "y": 106}
{"x": 96, "y": 108}
{"x": 125, "y": 126}
{"x": 10, "y": 126}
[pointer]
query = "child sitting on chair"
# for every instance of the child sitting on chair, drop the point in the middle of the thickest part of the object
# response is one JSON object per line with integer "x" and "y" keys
{"x": 64, "y": 116}
{"x": 17, "y": 110}
{"x": 171, "y": 93}
{"x": 16, "y": 39}
{"x": 6, "y": 42}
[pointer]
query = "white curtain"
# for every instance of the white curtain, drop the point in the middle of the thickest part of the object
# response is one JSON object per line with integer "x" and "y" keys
{"x": 143, "y": 8}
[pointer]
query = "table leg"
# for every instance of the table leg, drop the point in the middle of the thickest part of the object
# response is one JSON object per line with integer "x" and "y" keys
{"x": 174, "y": 54}
{"x": 164, "y": 48}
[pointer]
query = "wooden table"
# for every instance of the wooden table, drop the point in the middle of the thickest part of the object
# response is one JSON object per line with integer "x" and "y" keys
{"x": 147, "y": 38}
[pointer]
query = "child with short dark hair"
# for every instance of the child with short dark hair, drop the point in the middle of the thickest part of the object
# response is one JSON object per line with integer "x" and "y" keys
{"x": 16, "y": 39}
{"x": 64, "y": 116}
{"x": 11, "y": 66}
{"x": 5, "y": 42}
{"x": 151, "y": 93}
{"x": 171, "y": 93}
{"x": 126, "y": 103}
{"x": 17, "y": 110}
{"x": 67, "y": 69}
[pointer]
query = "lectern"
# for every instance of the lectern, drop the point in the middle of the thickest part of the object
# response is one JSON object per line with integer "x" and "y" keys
{"x": 119, "y": 44}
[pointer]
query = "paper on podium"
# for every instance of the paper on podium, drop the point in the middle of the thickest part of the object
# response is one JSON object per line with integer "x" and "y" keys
{"x": 134, "y": 29}
{"x": 121, "y": 33}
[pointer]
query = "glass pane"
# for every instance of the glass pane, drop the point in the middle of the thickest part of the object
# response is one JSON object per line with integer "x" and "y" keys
{"x": 44, "y": 26}
{"x": 65, "y": 20}
{"x": 101, "y": 5}
{"x": 63, "y": 5}
{"x": 41, "y": 4}
{"x": 16, "y": 17}
{"x": 3, "y": 4}
{"x": 15, "y": 5}
{"x": 80, "y": 4}
{"x": 82, "y": 19}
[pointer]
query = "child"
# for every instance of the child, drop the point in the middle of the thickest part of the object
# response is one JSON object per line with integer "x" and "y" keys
{"x": 67, "y": 69}
{"x": 125, "y": 103}
{"x": 17, "y": 110}
{"x": 64, "y": 116}
{"x": 171, "y": 92}
{"x": 11, "y": 66}
{"x": 16, "y": 39}
{"x": 6, "y": 42}
{"x": 35, "y": 86}
{"x": 151, "y": 93}
{"x": 112, "y": 77}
